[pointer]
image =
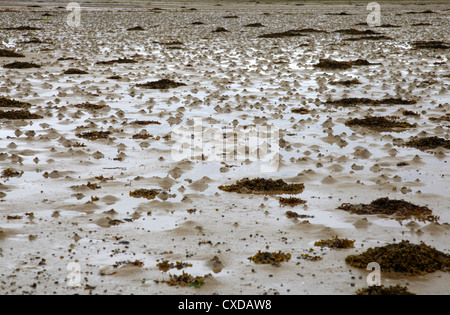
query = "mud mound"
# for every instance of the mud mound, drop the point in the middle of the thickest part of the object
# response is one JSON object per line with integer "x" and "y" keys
{"x": 400, "y": 208}
{"x": 161, "y": 84}
{"x": 264, "y": 186}
{"x": 428, "y": 143}
{"x": 5, "y": 102}
{"x": 379, "y": 123}
{"x": 4, "y": 53}
{"x": 403, "y": 257}
{"x": 346, "y": 102}
{"x": 19, "y": 115}
{"x": 382, "y": 290}
{"x": 75, "y": 71}
{"x": 21, "y": 65}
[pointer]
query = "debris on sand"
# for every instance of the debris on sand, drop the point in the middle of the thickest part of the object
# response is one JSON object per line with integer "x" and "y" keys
{"x": 430, "y": 45}
{"x": 403, "y": 257}
{"x": 291, "y": 202}
{"x": 382, "y": 290}
{"x": 290, "y": 33}
{"x": 5, "y": 53}
{"x": 336, "y": 242}
{"x": 185, "y": 280}
{"x": 346, "y": 102}
{"x": 334, "y": 64}
{"x": 9, "y": 172}
{"x": 162, "y": 84}
{"x": 21, "y": 65}
{"x": 400, "y": 208}
{"x": 270, "y": 258}
{"x": 5, "y": 102}
{"x": 19, "y": 115}
{"x": 379, "y": 123}
{"x": 136, "y": 263}
{"x": 346, "y": 82}
{"x": 120, "y": 61}
{"x": 94, "y": 135}
{"x": 75, "y": 71}
{"x": 165, "y": 266}
{"x": 428, "y": 143}
{"x": 149, "y": 194}
{"x": 264, "y": 186}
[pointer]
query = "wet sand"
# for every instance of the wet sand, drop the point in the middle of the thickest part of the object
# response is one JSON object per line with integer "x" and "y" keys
{"x": 72, "y": 203}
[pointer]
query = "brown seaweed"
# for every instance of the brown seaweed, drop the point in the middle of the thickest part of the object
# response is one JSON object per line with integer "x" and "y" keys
{"x": 162, "y": 84}
{"x": 336, "y": 242}
{"x": 94, "y": 135}
{"x": 4, "y": 53}
{"x": 382, "y": 290}
{"x": 263, "y": 186}
{"x": 149, "y": 194}
{"x": 347, "y": 102}
{"x": 270, "y": 258}
{"x": 5, "y": 102}
{"x": 21, "y": 65}
{"x": 428, "y": 143}
{"x": 19, "y": 115}
{"x": 379, "y": 123}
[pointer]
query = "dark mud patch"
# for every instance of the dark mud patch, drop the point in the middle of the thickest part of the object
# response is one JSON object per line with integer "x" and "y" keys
{"x": 136, "y": 28}
{"x": 382, "y": 290}
{"x": 430, "y": 45}
{"x": 21, "y": 65}
{"x": 23, "y": 28}
{"x": 5, "y": 102}
{"x": 92, "y": 107}
{"x": 220, "y": 30}
{"x": 334, "y": 64}
{"x": 401, "y": 209}
{"x": 410, "y": 113}
{"x": 268, "y": 258}
{"x": 263, "y": 186}
{"x": 428, "y": 143}
{"x": 353, "y": 31}
{"x": 119, "y": 61}
{"x": 94, "y": 135}
{"x": 75, "y": 71}
{"x": 19, "y": 115}
{"x": 146, "y": 122}
{"x": 380, "y": 123}
{"x": 5, "y": 53}
{"x": 363, "y": 38}
{"x": 336, "y": 242}
{"x": 254, "y": 25}
{"x": 445, "y": 118}
{"x": 348, "y": 102}
{"x": 290, "y": 33}
{"x": 403, "y": 257}
{"x": 162, "y": 84}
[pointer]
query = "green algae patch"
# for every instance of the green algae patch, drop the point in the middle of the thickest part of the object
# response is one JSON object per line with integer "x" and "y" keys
{"x": 382, "y": 290}
{"x": 380, "y": 123}
{"x": 270, "y": 258}
{"x": 5, "y": 102}
{"x": 354, "y": 101}
{"x": 400, "y": 208}
{"x": 403, "y": 257}
{"x": 162, "y": 84}
{"x": 336, "y": 242}
{"x": 428, "y": 143}
{"x": 149, "y": 194}
{"x": 264, "y": 186}
{"x": 19, "y": 115}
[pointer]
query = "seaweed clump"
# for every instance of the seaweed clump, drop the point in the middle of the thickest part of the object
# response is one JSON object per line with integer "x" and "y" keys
{"x": 270, "y": 258}
{"x": 430, "y": 45}
{"x": 5, "y": 102}
{"x": 428, "y": 143}
{"x": 90, "y": 106}
{"x": 21, "y": 65}
{"x": 290, "y": 33}
{"x": 264, "y": 186}
{"x": 346, "y": 83}
{"x": 185, "y": 280}
{"x": 94, "y": 135}
{"x": 75, "y": 71}
{"x": 149, "y": 194}
{"x": 336, "y": 242}
{"x": 402, "y": 209}
{"x": 382, "y": 290}
{"x": 120, "y": 61}
{"x": 291, "y": 202}
{"x": 19, "y": 114}
{"x": 353, "y": 101}
{"x": 166, "y": 265}
{"x": 379, "y": 123}
{"x": 9, "y": 172}
{"x": 334, "y": 64}
{"x": 162, "y": 84}
{"x": 403, "y": 257}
